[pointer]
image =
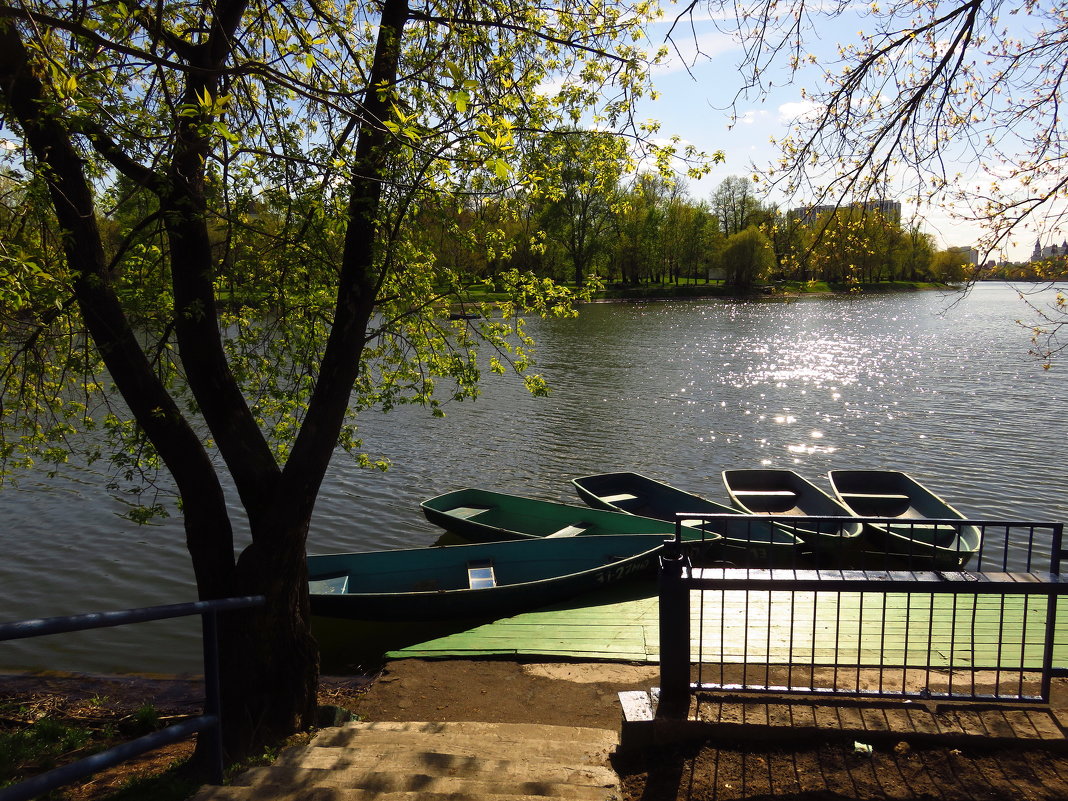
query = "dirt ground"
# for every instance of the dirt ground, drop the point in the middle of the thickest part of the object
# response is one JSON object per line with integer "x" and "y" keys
{"x": 111, "y": 704}
{"x": 586, "y": 695}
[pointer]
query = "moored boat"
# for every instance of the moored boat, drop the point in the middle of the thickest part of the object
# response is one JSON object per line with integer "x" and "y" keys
{"x": 921, "y": 529}
{"x": 785, "y": 493}
{"x": 487, "y": 516}
{"x": 747, "y": 539}
{"x": 468, "y": 581}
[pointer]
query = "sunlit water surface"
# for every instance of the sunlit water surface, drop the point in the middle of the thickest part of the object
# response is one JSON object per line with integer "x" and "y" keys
{"x": 940, "y": 387}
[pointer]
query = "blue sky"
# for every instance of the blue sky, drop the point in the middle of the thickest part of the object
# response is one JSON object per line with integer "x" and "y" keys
{"x": 695, "y": 105}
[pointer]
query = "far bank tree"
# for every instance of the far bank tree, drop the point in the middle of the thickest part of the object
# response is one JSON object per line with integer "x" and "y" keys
{"x": 226, "y": 265}
{"x": 748, "y": 257}
{"x": 579, "y": 204}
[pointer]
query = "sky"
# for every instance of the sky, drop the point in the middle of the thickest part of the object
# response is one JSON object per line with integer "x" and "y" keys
{"x": 694, "y": 105}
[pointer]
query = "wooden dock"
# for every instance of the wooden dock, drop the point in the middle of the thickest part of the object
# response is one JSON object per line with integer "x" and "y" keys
{"x": 864, "y": 629}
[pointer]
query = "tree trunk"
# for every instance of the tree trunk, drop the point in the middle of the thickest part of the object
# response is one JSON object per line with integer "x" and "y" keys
{"x": 269, "y": 660}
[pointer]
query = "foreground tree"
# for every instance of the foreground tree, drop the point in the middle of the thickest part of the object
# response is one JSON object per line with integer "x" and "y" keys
{"x": 275, "y": 152}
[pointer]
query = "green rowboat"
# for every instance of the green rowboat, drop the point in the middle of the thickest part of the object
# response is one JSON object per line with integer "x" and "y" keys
{"x": 473, "y": 581}
{"x": 748, "y": 540}
{"x": 924, "y": 532}
{"x": 486, "y": 516}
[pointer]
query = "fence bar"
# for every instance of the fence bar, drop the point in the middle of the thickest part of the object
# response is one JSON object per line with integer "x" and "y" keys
{"x": 877, "y": 581}
{"x": 22, "y": 629}
{"x": 951, "y": 624}
{"x": 66, "y": 774}
{"x": 213, "y": 693}
{"x": 1047, "y": 647}
{"x": 209, "y": 724}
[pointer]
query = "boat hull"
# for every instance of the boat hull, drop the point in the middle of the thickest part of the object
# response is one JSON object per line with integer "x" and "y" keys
{"x": 747, "y": 539}
{"x": 922, "y": 531}
{"x": 785, "y": 493}
{"x": 473, "y": 581}
{"x": 486, "y": 516}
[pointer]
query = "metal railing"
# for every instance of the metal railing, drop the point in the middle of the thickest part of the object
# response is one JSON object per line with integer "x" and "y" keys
{"x": 210, "y": 723}
{"x": 896, "y": 625}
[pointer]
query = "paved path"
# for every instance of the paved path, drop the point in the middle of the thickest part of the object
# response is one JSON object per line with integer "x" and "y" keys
{"x": 428, "y": 761}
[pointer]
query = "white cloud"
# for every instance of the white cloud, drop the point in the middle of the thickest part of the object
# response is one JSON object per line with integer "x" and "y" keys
{"x": 797, "y": 110}
{"x": 751, "y": 117}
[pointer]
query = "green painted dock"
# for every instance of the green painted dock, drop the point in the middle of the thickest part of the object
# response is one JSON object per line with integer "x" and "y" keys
{"x": 776, "y": 627}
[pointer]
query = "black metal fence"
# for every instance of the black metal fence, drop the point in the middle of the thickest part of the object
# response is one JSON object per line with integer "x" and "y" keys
{"x": 865, "y": 617}
{"x": 209, "y": 723}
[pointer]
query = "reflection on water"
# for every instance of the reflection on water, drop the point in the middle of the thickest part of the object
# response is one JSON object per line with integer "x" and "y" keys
{"x": 677, "y": 390}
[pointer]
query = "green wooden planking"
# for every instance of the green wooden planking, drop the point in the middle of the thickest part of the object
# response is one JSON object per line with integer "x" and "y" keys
{"x": 872, "y": 629}
{"x": 868, "y": 629}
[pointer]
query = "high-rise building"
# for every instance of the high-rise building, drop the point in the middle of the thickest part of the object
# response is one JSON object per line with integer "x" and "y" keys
{"x": 890, "y": 209}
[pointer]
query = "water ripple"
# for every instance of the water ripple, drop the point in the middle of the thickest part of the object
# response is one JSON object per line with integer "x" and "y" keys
{"x": 677, "y": 390}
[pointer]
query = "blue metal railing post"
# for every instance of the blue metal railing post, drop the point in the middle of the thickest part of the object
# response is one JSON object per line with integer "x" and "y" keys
{"x": 1046, "y": 687}
{"x": 209, "y": 724}
{"x": 674, "y": 631}
{"x": 1057, "y": 552}
{"x": 213, "y": 694}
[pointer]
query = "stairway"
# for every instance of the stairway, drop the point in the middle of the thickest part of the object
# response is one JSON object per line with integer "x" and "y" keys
{"x": 428, "y": 761}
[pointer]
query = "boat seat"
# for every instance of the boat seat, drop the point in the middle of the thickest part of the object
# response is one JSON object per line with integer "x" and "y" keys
{"x": 334, "y": 585}
{"x": 776, "y": 493}
{"x": 467, "y": 512}
{"x": 480, "y": 575}
{"x": 875, "y": 496}
{"x": 568, "y": 531}
{"x": 623, "y": 496}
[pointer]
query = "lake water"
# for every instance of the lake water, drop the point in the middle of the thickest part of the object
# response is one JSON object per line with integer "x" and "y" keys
{"x": 938, "y": 386}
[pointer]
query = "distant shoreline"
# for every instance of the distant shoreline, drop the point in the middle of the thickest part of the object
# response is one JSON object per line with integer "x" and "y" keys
{"x": 790, "y": 291}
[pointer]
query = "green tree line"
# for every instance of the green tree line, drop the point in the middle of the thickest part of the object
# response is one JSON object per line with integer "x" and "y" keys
{"x": 645, "y": 228}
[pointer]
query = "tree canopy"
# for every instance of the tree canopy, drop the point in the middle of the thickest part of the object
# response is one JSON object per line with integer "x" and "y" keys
{"x": 216, "y": 224}
{"x": 955, "y": 102}
{"x": 962, "y": 97}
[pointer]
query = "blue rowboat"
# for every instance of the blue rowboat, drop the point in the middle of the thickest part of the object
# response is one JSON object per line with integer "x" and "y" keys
{"x": 784, "y": 492}
{"x": 922, "y": 529}
{"x": 747, "y": 539}
{"x": 469, "y": 581}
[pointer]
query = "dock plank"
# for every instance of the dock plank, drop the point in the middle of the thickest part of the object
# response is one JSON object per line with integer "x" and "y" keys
{"x": 868, "y": 629}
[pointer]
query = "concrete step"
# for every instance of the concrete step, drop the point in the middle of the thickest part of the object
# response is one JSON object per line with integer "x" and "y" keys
{"x": 558, "y": 743}
{"x": 441, "y": 763}
{"x": 494, "y": 731}
{"x": 435, "y": 762}
{"x": 398, "y": 787}
{"x": 336, "y": 794}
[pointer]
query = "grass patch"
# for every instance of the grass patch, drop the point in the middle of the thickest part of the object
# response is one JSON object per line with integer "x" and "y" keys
{"x": 41, "y": 746}
{"x": 39, "y": 736}
{"x": 176, "y": 783}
